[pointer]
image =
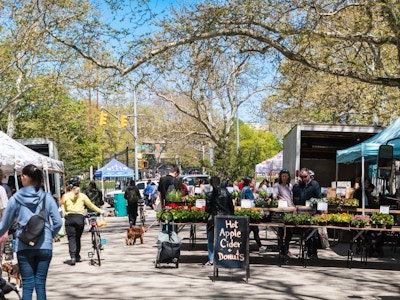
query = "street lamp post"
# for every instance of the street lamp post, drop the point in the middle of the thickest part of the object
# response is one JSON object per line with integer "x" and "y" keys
{"x": 135, "y": 137}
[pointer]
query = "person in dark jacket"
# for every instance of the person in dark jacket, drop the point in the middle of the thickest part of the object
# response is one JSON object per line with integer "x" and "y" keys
{"x": 307, "y": 188}
{"x": 166, "y": 182}
{"x": 218, "y": 202}
{"x": 132, "y": 195}
{"x": 94, "y": 194}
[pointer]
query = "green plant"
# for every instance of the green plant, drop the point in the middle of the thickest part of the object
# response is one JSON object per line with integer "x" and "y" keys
{"x": 315, "y": 201}
{"x": 378, "y": 218}
{"x": 388, "y": 219}
{"x": 274, "y": 203}
{"x": 288, "y": 218}
{"x": 174, "y": 196}
{"x": 235, "y": 194}
{"x": 263, "y": 194}
{"x": 252, "y": 213}
{"x": 261, "y": 202}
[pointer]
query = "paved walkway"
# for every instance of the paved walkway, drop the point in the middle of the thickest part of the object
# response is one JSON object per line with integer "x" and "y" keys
{"x": 128, "y": 272}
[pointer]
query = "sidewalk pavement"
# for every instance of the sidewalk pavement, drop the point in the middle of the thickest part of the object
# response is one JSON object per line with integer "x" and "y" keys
{"x": 128, "y": 272}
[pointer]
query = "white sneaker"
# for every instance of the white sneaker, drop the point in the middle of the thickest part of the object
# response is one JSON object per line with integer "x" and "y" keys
{"x": 264, "y": 249}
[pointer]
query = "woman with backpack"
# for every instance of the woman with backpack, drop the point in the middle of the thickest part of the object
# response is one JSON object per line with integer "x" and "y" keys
{"x": 132, "y": 195}
{"x": 34, "y": 260}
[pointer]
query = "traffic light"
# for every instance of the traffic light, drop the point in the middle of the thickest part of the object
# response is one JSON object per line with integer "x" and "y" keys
{"x": 103, "y": 119}
{"x": 143, "y": 164}
{"x": 124, "y": 121}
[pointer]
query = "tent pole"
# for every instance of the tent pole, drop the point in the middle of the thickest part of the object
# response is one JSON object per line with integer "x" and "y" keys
{"x": 16, "y": 180}
{"x": 363, "y": 185}
{"x": 337, "y": 174}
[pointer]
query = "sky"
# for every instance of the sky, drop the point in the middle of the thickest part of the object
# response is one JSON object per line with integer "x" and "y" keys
{"x": 128, "y": 19}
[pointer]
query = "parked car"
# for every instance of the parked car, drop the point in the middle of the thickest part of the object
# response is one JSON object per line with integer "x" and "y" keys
{"x": 189, "y": 180}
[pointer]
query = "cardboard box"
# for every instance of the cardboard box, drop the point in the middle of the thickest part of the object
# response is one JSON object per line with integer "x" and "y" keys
{"x": 331, "y": 193}
{"x": 349, "y": 193}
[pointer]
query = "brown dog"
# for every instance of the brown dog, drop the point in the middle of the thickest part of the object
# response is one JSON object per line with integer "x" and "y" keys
{"x": 12, "y": 271}
{"x": 133, "y": 233}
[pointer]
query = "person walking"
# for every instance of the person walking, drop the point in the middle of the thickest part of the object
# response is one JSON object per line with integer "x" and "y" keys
{"x": 74, "y": 206}
{"x": 34, "y": 260}
{"x": 94, "y": 194}
{"x": 132, "y": 195}
{"x": 218, "y": 202}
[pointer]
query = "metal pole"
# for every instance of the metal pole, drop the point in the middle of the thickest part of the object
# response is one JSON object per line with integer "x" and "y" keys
{"x": 237, "y": 129}
{"x": 126, "y": 154}
{"x": 135, "y": 137}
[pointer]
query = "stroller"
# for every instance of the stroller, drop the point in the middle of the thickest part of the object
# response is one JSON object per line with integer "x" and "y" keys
{"x": 169, "y": 243}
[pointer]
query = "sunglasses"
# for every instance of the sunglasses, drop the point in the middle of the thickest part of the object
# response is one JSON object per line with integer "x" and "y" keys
{"x": 285, "y": 171}
{"x": 304, "y": 176}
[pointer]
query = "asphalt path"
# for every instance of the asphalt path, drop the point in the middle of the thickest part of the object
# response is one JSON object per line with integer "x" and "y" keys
{"x": 128, "y": 272}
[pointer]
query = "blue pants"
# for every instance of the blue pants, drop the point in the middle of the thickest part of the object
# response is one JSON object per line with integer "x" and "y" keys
{"x": 33, "y": 265}
{"x": 210, "y": 245}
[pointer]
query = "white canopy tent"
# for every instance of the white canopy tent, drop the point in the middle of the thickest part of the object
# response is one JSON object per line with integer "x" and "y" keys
{"x": 14, "y": 156}
{"x": 272, "y": 164}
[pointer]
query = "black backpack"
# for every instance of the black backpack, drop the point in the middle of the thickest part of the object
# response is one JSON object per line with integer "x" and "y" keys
{"x": 132, "y": 195}
{"x": 34, "y": 228}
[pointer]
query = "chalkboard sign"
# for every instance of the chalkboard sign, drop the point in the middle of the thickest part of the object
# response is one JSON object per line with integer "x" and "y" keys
{"x": 231, "y": 242}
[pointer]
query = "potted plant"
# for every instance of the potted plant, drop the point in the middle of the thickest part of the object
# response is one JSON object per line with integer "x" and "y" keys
{"x": 360, "y": 221}
{"x": 255, "y": 216}
{"x": 389, "y": 220}
{"x": 378, "y": 219}
{"x": 174, "y": 197}
{"x": 273, "y": 203}
{"x": 288, "y": 218}
{"x": 263, "y": 195}
{"x": 262, "y": 202}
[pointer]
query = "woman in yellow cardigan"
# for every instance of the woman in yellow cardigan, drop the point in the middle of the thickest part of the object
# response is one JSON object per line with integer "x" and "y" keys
{"x": 74, "y": 206}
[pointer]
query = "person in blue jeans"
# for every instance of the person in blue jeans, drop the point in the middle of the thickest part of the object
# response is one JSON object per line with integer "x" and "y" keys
{"x": 247, "y": 193}
{"x": 34, "y": 260}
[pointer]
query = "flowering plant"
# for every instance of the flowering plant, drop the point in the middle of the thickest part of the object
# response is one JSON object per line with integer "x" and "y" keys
{"x": 360, "y": 220}
{"x": 262, "y": 202}
{"x": 317, "y": 200}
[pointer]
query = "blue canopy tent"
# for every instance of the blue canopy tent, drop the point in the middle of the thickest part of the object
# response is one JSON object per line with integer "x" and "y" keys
{"x": 367, "y": 151}
{"x": 114, "y": 169}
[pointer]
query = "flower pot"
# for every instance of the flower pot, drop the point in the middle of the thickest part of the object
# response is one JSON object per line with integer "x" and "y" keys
{"x": 388, "y": 226}
{"x": 373, "y": 225}
{"x": 381, "y": 225}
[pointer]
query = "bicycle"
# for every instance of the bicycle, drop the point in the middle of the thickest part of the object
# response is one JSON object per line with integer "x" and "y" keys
{"x": 142, "y": 212}
{"x": 96, "y": 238}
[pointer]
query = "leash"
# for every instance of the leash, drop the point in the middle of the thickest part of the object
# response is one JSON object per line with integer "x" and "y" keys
{"x": 151, "y": 225}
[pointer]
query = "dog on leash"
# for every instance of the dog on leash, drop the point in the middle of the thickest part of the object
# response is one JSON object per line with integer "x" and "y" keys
{"x": 133, "y": 233}
{"x": 12, "y": 271}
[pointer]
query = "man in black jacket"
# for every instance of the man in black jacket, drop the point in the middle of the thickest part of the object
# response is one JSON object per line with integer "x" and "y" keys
{"x": 304, "y": 190}
{"x": 166, "y": 182}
